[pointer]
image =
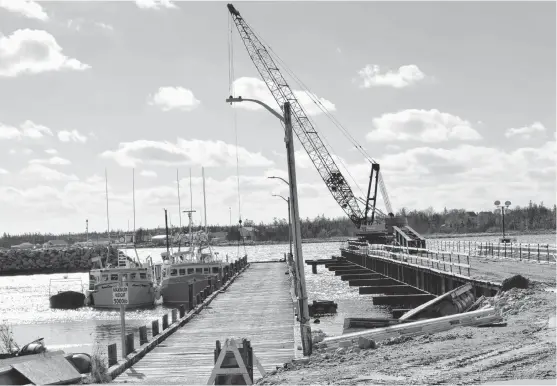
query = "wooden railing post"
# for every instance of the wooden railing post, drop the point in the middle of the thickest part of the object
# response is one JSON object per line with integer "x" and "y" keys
{"x": 143, "y": 335}
{"x": 164, "y": 322}
{"x": 112, "y": 354}
{"x": 174, "y": 313}
{"x": 129, "y": 343}
{"x": 155, "y": 327}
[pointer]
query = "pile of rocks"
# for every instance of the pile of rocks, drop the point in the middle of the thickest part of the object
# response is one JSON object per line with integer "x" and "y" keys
{"x": 33, "y": 261}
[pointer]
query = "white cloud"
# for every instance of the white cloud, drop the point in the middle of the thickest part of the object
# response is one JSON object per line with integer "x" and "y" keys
{"x": 28, "y": 51}
{"x": 33, "y": 130}
{"x": 4, "y": 171}
{"x": 190, "y": 152}
{"x": 74, "y": 136}
{"x": 155, "y": 4}
{"x": 9, "y": 132}
{"x": 47, "y": 174}
{"x": 403, "y": 77}
{"x": 174, "y": 98}
{"x": 525, "y": 132}
{"x": 421, "y": 125}
{"x": 51, "y": 151}
{"x": 27, "y": 8}
{"x": 28, "y": 129}
{"x": 148, "y": 173}
{"x": 80, "y": 23}
{"x": 51, "y": 161}
{"x": 104, "y": 26}
{"x": 254, "y": 88}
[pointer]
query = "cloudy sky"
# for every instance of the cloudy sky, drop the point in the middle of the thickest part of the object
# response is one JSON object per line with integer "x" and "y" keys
{"x": 455, "y": 100}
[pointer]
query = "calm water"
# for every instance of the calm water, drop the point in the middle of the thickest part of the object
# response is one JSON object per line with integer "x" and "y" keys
{"x": 25, "y": 303}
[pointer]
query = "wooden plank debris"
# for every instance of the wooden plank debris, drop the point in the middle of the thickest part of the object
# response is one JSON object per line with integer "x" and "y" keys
{"x": 420, "y": 327}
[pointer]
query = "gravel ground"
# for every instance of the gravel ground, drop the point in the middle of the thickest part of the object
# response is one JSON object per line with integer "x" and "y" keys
{"x": 523, "y": 350}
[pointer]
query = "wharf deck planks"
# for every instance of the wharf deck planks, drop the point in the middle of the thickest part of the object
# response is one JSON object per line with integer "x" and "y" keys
{"x": 257, "y": 306}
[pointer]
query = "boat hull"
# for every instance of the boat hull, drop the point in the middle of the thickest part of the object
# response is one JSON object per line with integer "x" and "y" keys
{"x": 176, "y": 291}
{"x": 140, "y": 295}
{"x": 67, "y": 300}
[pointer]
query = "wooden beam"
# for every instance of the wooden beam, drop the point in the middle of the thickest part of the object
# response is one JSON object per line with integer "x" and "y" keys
{"x": 402, "y": 300}
{"x": 366, "y": 283}
{"x": 394, "y": 290}
{"x": 359, "y": 276}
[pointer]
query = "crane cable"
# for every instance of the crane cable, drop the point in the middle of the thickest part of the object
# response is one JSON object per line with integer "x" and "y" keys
{"x": 231, "y": 78}
{"x": 318, "y": 103}
{"x": 336, "y": 123}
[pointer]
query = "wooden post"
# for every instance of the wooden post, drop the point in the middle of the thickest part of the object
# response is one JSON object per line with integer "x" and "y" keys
{"x": 129, "y": 343}
{"x": 174, "y": 315}
{"x": 112, "y": 354}
{"x": 122, "y": 320}
{"x": 538, "y": 252}
{"x": 155, "y": 327}
{"x": 182, "y": 311}
{"x": 143, "y": 335}
{"x": 314, "y": 268}
{"x": 164, "y": 322}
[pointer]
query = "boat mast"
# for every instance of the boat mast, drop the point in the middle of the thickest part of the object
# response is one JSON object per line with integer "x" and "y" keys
{"x": 166, "y": 227}
{"x": 107, "y": 217}
{"x": 179, "y": 212}
{"x": 133, "y": 199}
{"x": 191, "y": 211}
{"x": 204, "y": 200}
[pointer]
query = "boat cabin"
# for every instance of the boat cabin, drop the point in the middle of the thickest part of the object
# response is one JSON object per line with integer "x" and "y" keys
{"x": 112, "y": 276}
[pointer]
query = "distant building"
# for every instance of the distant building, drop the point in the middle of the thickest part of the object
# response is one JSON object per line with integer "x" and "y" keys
{"x": 159, "y": 239}
{"x": 55, "y": 244}
{"x": 23, "y": 246}
{"x": 218, "y": 237}
{"x": 248, "y": 233}
{"x": 472, "y": 219}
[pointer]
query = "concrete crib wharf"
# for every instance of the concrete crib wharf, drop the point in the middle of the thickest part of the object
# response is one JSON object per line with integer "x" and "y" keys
{"x": 257, "y": 306}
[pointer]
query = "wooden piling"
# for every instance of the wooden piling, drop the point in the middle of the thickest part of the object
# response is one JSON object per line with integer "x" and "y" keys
{"x": 174, "y": 313}
{"x": 182, "y": 311}
{"x": 112, "y": 354}
{"x": 129, "y": 343}
{"x": 143, "y": 335}
{"x": 164, "y": 322}
{"x": 155, "y": 327}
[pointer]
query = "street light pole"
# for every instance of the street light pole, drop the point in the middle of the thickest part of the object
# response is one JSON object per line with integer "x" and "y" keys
{"x": 503, "y": 207}
{"x": 289, "y": 220}
{"x": 305, "y": 327}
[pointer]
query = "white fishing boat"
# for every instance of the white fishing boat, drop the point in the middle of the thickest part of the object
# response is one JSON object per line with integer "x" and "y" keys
{"x": 138, "y": 277}
{"x": 185, "y": 273}
{"x": 142, "y": 291}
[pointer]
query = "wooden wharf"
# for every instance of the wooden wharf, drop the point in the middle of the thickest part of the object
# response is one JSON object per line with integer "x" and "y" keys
{"x": 257, "y": 306}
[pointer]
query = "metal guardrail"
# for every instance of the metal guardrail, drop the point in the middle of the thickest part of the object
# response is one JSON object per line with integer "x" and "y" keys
{"x": 522, "y": 251}
{"x": 448, "y": 261}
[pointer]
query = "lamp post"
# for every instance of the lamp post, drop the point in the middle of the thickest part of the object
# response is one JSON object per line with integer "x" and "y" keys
{"x": 305, "y": 328}
{"x": 289, "y": 221}
{"x": 503, "y": 207}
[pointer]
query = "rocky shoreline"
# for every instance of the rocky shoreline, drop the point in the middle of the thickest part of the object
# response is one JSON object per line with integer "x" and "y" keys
{"x": 43, "y": 261}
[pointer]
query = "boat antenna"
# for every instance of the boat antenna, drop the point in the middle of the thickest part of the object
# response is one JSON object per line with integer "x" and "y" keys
{"x": 166, "y": 227}
{"x": 204, "y": 200}
{"x": 133, "y": 200}
{"x": 191, "y": 211}
{"x": 107, "y": 217}
{"x": 179, "y": 212}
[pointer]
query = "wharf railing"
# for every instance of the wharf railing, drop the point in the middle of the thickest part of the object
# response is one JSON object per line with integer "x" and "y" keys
{"x": 521, "y": 251}
{"x": 448, "y": 261}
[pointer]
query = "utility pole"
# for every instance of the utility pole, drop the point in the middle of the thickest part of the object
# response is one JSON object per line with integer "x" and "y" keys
{"x": 305, "y": 328}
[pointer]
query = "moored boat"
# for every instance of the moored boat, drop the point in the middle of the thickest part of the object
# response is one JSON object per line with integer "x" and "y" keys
{"x": 142, "y": 291}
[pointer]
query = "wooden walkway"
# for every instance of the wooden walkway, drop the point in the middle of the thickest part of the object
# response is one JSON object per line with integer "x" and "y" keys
{"x": 257, "y": 306}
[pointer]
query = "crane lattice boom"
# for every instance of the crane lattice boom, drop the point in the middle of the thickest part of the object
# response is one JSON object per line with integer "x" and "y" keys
{"x": 302, "y": 126}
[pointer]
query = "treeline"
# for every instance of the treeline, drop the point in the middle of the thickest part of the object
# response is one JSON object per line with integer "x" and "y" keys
{"x": 534, "y": 217}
